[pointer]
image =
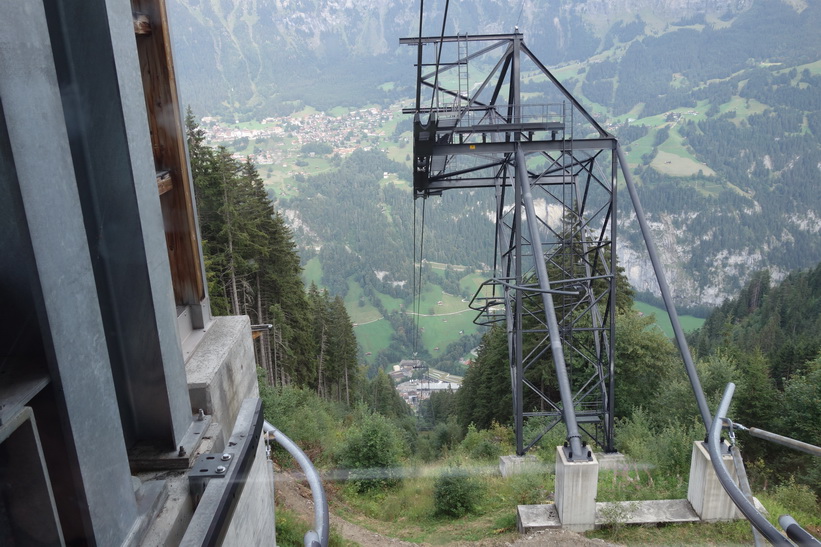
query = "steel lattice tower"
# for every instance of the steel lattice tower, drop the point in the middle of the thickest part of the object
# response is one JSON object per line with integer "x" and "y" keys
{"x": 508, "y": 124}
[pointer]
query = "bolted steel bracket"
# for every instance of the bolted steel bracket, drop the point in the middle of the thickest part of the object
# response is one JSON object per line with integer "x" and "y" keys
{"x": 205, "y": 468}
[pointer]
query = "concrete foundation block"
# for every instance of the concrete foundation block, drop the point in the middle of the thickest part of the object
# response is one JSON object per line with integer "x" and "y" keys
{"x": 515, "y": 465}
{"x": 576, "y": 489}
{"x": 704, "y": 491}
{"x": 222, "y": 370}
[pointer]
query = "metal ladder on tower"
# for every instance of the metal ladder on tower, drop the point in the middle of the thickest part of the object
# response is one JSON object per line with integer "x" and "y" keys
{"x": 463, "y": 87}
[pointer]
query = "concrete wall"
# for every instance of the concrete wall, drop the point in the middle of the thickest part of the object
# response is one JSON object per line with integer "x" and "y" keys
{"x": 704, "y": 491}
{"x": 253, "y": 521}
{"x": 222, "y": 371}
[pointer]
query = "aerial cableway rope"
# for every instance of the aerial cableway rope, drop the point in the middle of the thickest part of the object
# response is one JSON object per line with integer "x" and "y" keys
{"x": 419, "y": 62}
{"x": 417, "y": 277}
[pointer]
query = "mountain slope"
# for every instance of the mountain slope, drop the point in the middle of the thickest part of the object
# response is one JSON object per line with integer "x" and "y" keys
{"x": 717, "y": 103}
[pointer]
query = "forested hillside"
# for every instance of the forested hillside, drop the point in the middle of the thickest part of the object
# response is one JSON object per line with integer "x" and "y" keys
{"x": 253, "y": 269}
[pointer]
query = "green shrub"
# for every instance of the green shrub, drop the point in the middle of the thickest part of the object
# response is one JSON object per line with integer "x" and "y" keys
{"x": 291, "y": 528}
{"x": 796, "y": 497}
{"x": 530, "y": 488}
{"x": 481, "y": 445}
{"x": 456, "y": 494}
{"x": 668, "y": 447}
{"x": 371, "y": 452}
{"x": 446, "y": 436}
{"x": 308, "y": 420}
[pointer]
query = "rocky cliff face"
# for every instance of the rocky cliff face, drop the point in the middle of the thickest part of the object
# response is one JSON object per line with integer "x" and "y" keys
{"x": 236, "y": 53}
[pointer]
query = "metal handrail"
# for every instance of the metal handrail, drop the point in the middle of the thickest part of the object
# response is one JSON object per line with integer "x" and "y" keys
{"x": 318, "y": 537}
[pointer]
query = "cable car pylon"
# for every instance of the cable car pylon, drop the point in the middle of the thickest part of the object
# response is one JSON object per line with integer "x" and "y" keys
{"x": 553, "y": 169}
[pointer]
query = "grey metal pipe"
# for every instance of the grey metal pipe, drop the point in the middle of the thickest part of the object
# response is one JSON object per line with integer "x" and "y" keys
{"x": 785, "y": 441}
{"x": 318, "y": 537}
{"x": 796, "y": 533}
{"x": 568, "y": 412}
{"x": 736, "y": 495}
{"x": 681, "y": 341}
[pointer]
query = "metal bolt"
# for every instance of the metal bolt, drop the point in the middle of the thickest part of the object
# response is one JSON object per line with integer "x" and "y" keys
{"x": 181, "y": 453}
{"x": 200, "y": 416}
{"x": 221, "y": 469}
{"x": 226, "y": 457}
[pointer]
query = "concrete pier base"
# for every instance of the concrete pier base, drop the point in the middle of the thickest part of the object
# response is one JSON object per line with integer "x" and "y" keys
{"x": 704, "y": 491}
{"x": 576, "y": 489}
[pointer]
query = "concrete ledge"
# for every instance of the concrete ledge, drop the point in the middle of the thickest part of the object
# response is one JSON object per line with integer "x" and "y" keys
{"x": 222, "y": 372}
{"x": 169, "y": 525}
{"x": 253, "y": 521}
{"x": 531, "y": 518}
{"x": 644, "y": 512}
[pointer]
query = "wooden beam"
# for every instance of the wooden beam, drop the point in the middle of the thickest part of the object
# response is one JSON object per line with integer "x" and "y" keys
{"x": 168, "y": 140}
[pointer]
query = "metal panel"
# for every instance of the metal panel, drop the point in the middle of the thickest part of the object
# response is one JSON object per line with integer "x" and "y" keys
{"x": 28, "y": 514}
{"x": 63, "y": 289}
{"x": 101, "y": 91}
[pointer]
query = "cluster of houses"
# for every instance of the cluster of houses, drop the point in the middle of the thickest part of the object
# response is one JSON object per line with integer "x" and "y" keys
{"x": 415, "y": 390}
{"x": 338, "y": 131}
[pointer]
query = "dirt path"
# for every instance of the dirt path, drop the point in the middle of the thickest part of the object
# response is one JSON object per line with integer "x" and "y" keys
{"x": 293, "y": 494}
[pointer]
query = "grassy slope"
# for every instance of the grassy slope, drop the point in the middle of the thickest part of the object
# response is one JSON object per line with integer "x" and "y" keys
{"x": 373, "y": 337}
{"x": 407, "y": 511}
{"x": 688, "y": 322}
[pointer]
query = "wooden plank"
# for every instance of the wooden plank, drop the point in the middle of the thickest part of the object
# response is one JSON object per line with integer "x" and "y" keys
{"x": 168, "y": 143}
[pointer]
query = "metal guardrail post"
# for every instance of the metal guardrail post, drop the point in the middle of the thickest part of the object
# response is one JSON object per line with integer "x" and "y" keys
{"x": 318, "y": 537}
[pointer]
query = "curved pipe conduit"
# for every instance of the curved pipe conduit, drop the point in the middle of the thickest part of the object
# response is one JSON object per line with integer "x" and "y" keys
{"x": 795, "y": 532}
{"x": 318, "y": 537}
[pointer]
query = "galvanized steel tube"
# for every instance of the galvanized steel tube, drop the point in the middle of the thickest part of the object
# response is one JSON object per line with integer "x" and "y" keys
{"x": 318, "y": 537}
{"x": 785, "y": 441}
{"x": 796, "y": 533}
